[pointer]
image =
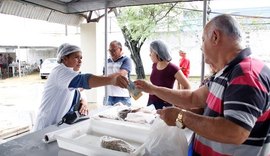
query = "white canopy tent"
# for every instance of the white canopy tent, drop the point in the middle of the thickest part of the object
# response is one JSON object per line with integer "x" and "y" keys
{"x": 68, "y": 12}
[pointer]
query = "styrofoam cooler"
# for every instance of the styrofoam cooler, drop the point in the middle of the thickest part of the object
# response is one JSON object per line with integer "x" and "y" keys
{"x": 86, "y": 139}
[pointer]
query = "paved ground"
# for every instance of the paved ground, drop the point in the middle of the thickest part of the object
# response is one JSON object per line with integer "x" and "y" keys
{"x": 18, "y": 101}
{"x": 20, "y": 97}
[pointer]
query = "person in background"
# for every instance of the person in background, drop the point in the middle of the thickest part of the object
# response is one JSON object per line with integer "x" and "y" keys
{"x": 10, "y": 59}
{"x": 236, "y": 101}
{"x": 184, "y": 66}
{"x": 40, "y": 62}
{"x": 1, "y": 65}
{"x": 118, "y": 64}
{"x": 5, "y": 66}
{"x": 184, "y": 63}
{"x": 164, "y": 73}
{"x": 61, "y": 91}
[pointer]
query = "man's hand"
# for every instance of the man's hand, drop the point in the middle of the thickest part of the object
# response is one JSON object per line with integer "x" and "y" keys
{"x": 119, "y": 80}
{"x": 169, "y": 115}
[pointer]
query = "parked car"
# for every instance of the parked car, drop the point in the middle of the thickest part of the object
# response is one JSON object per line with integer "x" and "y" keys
{"x": 47, "y": 66}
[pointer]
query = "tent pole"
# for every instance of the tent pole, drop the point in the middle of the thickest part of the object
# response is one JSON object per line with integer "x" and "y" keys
{"x": 106, "y": 54}
{"x": 205, "y": 8}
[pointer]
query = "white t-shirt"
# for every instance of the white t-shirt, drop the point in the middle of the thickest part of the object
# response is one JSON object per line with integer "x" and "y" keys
{"x": 56, "y": 98}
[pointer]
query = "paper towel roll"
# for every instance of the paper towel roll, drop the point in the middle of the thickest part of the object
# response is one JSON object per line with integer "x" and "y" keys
{"x": 51, "y": 136}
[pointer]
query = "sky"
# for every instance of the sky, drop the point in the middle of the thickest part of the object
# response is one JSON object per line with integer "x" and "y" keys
{"x": 225, "y": 4}
{"x": 242, "y": 7}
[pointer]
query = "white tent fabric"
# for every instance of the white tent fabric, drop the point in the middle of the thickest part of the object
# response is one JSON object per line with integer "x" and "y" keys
{"x": 80, "y": 6}
{"x": 68, "y": 12}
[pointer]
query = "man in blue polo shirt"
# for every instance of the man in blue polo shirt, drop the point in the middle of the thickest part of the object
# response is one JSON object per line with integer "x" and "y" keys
{"x": 118, "y": 63}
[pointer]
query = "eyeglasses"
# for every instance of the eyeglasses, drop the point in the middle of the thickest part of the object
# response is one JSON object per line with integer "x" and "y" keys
{"x": 113, "y": 50}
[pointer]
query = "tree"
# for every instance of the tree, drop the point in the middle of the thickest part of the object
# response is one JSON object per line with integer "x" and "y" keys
{"x": 138, "y": 23}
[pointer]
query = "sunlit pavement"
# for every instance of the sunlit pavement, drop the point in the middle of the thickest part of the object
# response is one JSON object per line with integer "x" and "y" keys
{"x": 20, "y": 98}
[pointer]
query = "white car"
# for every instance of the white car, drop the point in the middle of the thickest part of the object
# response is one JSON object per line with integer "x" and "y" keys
{"x": 47, "y": 66}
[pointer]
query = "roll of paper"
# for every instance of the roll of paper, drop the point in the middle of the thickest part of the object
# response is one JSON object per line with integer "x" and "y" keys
{"x": 51, "y": 136}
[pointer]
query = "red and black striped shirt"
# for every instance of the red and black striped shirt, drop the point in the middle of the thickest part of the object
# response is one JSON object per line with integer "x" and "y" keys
{"x": 240, "y": 93}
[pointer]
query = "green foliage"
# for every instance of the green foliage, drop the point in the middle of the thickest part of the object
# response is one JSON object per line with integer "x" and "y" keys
{"x": 142, "y": 21}
{"x": 137, "y": 26}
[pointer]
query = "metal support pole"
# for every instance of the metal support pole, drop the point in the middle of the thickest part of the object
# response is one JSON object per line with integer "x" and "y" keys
{"x": 106, "y": 54}
{"x": 205, "y": 9}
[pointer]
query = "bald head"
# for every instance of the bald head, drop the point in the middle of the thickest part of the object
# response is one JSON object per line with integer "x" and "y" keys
{"x": 227, "y": 25}
{"x": 221, "y": 41}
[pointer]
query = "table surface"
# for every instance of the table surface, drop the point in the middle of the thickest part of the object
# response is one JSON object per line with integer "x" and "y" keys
{"x": 32, "y": 145}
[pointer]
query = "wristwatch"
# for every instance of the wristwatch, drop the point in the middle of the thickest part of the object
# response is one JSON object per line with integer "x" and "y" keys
{"x": 179, "y": 120}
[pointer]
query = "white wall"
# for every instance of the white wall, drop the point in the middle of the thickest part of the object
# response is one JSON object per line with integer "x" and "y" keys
{"x": 93, "y": 57}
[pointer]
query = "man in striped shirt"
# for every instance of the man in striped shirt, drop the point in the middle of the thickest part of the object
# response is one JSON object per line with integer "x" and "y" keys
{"x": 236, "y": 100}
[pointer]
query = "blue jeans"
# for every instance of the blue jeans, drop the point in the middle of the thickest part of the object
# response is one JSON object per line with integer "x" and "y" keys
{"x": 113, "y": 100}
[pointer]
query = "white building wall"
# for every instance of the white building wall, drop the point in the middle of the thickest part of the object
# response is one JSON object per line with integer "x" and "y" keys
{"x": 33, "y": 56}
{"x": 92, "y": 41}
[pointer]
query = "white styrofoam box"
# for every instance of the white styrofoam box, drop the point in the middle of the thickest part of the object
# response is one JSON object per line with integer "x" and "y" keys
{"x": 121, "y": 129}
{"x": 86, "y": 139}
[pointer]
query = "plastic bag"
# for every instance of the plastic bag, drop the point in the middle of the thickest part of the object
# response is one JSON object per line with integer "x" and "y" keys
{"x": 165, "y": 140}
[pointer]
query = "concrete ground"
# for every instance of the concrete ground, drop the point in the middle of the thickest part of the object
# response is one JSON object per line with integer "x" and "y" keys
{"x": 20, "y": 98}
{"x": 18, "y": 102}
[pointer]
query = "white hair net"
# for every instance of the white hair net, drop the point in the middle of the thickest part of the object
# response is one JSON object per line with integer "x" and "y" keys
{"x": 161, "y": 50}
{"x": 66, "y": 49}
